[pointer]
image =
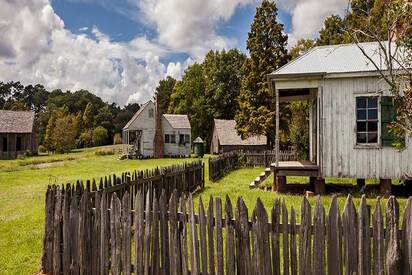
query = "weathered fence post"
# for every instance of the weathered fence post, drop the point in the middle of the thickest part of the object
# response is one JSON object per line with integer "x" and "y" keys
{"x": 393, "y": 255}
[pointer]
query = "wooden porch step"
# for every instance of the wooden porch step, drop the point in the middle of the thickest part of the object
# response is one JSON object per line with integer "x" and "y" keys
{"x": 262, "y": 176}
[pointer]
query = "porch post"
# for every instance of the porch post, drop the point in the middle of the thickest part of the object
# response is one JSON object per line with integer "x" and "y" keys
{"x": 277, "y": 127}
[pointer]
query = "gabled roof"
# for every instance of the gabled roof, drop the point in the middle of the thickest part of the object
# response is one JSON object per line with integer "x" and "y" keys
{"x": 136, "y": 114}
{"x": 178, "y": 121}
{"x": 346, "y": 58}
{"x": 227, "y": 134}
{"x": 16, "y": 121}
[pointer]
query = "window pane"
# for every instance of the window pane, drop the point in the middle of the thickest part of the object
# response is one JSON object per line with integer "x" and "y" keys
{"x": 361, "y": 127}
{"x": 166, "y": 138}
{"x": 361, "y": 138}
{"x": 373, "y": 114}
{"x": 361, "y": 115}
{"x": 372, "y": 126}
{"x": 361, "y": 102}
{"x": 172, "y": 138}
{"x": 372, "y": 137}
{"x": 372, "y": 102}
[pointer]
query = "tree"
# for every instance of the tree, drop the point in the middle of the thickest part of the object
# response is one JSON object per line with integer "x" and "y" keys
{"x": 301, "y": 47}
{"x": 88, "y": 116}
{"x": 223, "y": 73}
{"x": 333, "y": 31}
{"x": 164, "y": 91}
{"x": 99, "y": 136}
{"x": 48, "y": 139}
{"x": 267, "y": 46}
{"x": 299, "y": 128}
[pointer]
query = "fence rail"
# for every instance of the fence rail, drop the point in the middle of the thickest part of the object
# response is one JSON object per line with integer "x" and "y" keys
{"x": 233, "y": 160}
{"x": 96, "y": 234}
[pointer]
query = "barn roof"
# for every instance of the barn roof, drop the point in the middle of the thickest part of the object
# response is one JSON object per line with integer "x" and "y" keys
{"x": 136, "y": 115}
{"x": 346, "y": 58}
{"x": 227, "y": 134}
{"x": 16, "y": 121}
{"x": 178, "y": 121}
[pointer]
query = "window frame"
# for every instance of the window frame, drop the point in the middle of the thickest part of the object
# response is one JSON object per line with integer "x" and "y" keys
{"x": 172, "y": 139}
{"x": 378, "y": 143}
{"x": 5, "y": 141}
{"x": 167, "y": 138}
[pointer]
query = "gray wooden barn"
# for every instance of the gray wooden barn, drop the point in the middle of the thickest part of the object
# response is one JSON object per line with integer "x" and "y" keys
{"x": 350, "y": 109}
{"x": 225, "y": 138}
{"x": 17, "y": 135}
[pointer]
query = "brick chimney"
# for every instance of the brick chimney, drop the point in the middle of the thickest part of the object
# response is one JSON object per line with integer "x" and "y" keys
{"x": 158, "y": 138}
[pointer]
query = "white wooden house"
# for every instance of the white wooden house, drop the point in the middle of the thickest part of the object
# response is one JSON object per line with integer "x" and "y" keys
{"x": 140, "y": 132}
{"x": 351, "y": 107}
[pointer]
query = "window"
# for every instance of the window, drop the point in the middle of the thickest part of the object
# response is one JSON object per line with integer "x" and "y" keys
{"x": 18, "y": 143}
{"x": 172, "y": 138}
{"x": 187, "y": 138}
{"x": 5, "y": 149}
{"x": 167, "y": 138}
{"x": 181, "y": 139}
{"x": 151, "y": 112}
{"x": 367, "y": 120}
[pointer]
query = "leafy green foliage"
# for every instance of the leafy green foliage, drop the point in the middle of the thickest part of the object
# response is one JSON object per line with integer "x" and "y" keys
{"x": 267, "y": 46}
{"x": 164, "y": 91}
{"x": 301, "y": 47}
{"x": 299, "y": 128}
{"x": 333, "y": 31}
{"x": 99, "y": 136}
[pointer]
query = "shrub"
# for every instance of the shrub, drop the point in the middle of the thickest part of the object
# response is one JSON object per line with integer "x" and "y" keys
{"x": 42, "y": 149}
{"x": 85, "y": 139}
{"x": 117, "y": 139}
{"x": 99, "y": 136}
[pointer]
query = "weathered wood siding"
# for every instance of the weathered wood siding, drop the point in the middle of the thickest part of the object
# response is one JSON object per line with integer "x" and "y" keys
{"x": 28, "y": 144}
{"x": 214, "y": 144}
{"x": 176, "y": 148}
{"x": 340, "y": 155}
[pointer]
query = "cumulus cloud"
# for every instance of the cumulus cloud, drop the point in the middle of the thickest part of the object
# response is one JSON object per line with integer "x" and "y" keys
{"x": 308, "y": 15}
{"x": 37, "y": 48}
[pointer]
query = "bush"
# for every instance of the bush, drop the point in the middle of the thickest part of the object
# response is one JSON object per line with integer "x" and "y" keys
{"x": 42, "y": 149}
{"x": 99, "y": 136}
{"x": 117, "y": 139}
{"x": 104, "y": 152}
{"x": 85, "y": 139}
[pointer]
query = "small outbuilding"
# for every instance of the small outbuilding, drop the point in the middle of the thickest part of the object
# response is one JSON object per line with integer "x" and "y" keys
{"x": 17, "y": 135}
{"x": 225, "y": 138}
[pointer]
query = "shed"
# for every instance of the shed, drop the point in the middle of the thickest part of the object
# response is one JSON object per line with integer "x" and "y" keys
{"x": 350, "y": 109}
{"x": 17, "y": 135}
{"x": 225, "y": 138}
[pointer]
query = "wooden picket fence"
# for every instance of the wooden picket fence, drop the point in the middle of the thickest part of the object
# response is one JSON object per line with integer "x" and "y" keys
{"x": 227, "y": 162}
{"x": 102, "y": 234}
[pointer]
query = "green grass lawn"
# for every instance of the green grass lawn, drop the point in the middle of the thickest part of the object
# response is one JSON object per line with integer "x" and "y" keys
{"x": 23, "y": 184}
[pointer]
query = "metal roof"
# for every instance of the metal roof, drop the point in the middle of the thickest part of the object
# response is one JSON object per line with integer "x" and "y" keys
{"x": 346, "y": 58}
{"x": 16, "y": 121}
{"x": 178, "y": 121}
{"x": 227, "y": 134}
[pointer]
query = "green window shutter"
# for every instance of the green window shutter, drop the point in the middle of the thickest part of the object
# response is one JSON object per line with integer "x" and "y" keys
{"x": 388, "y": 115}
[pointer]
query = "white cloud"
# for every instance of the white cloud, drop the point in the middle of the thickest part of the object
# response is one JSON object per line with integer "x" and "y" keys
{"x": 36, "y": 48}
{"x": 308, "y": 15}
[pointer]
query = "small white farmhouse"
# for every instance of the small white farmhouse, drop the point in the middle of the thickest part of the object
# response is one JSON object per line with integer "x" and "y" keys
{"x": 351, "y": 108}
{"x": 174, "y": 130}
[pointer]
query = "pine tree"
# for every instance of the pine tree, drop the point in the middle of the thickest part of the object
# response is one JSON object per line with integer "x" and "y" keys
{"x": 164, "y": 91}
{"x": 267, "y": 46}
{"x": 333, "y": 31}
{"x": 88, "y": 116}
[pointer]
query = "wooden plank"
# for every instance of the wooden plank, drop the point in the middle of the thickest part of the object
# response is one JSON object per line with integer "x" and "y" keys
{"x": 293, "y": 250}
{"x": 334, "y": 240}
{"x": 285, "y": 238}
{"x": 83, "y": 225}
{"x": 230, "y": 242}
{"x": 66, "y": 231}
{"x": 210, "y": 236}
{"x": 378, "y": 240}
{"x": 174, "y": 246}
{"x": 393, "y": 250}
{"x": 319, "y": 239}
{"x": 194, "y": 240}
{"x": 74, "y": 234}
{"x": 164, "y": 234}
{"x": 156, "y": 251}
{"x": 261, "y": 239}
{"x": 57, "y": 230}
{"x": 275, "y": 237}
{"x": 407, "y": 238}
{"x": 350, "y": 235}
{"x": 115, "y": 235}
{"x": 202, "y": 235}
{"x": 95, "y": 238}
{"x": 305, "y": 259}
{"x": 147, "y": 235}
{"x": 104, "y": 235}
{"x": 139, "y": 232}
{"x": 126, "y": 234}
{"x": 183, "y": 237}
{"x": 242, "y": 238}
{"x": 364, "y": 239}
{"x": 219, "y": 236}
{"x": 47, "y": 258}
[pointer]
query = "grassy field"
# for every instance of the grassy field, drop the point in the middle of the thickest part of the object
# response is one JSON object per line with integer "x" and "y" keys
{"x": 23, "y": 184}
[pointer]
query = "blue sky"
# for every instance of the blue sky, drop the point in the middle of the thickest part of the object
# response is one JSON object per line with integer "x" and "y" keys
{"x": 121, "y": 49}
